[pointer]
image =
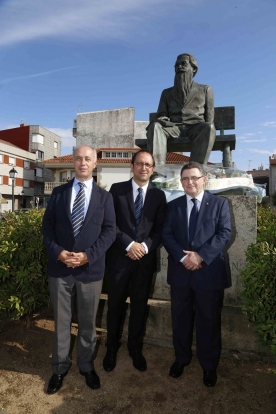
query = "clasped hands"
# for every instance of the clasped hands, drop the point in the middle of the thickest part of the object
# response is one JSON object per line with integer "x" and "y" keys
{"x": 72, "y": 259}
{"x": 136, "y": 251}
{"x": 192, "y": 261}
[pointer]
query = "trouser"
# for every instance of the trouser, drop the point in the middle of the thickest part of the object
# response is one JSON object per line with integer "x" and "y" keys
{"x": 65, "y": 293}
{"x": 135, "y": 279}
{"x": 205, "y": 306}
{"x": 202, "y": 136}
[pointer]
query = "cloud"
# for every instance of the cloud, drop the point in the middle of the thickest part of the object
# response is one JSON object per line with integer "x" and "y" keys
{"x": 246, "y": 135}
{"x": 92, "y": 19}
{"x": 270, "y": 124}
{"x": 254, "y": 140}
{"x": 259, "y": 151}
{"x": 35, "y": 75}
{"x": 68, "y": 141}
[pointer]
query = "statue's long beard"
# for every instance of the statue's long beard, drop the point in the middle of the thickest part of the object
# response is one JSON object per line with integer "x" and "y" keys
{"x": 182, "y": 84}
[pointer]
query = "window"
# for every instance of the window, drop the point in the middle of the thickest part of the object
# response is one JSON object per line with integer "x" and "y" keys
{"x": 107, "y": 155}
{"x": 1, "y": 157}
{"x": 38, "y": 172}
{"x": 119, "y": 155}
{"x": 27, "y": 164}
{"x": 26, "y": 183}
{"x": 40, "y": 155}
{"x": 113, "y": 155}
{"x": 55, "y": 144}
{"x": 38, "y": 138}
{"x": 11, "y": 161}
{"x": 125, "y": 154}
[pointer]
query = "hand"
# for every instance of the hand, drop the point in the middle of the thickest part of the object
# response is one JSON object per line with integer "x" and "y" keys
{"x": 192, "y": 261}
{"x": 136, "y": 251}
{"x": 76, "y": 259}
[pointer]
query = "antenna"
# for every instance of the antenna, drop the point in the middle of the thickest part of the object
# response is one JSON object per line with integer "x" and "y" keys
{"x": 249, "y": 161}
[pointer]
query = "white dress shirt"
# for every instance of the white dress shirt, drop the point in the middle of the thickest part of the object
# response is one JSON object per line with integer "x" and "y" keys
{"x": 88, "y": 192}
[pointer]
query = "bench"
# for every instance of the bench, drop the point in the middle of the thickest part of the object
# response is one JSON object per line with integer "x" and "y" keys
{"x": 224, "y": 120}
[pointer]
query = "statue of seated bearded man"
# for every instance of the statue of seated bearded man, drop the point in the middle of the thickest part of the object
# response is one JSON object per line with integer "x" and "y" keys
{"x": 185, "y": 110}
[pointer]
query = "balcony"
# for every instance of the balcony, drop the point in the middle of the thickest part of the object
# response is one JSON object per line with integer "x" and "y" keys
{"x": 49, "y": 186}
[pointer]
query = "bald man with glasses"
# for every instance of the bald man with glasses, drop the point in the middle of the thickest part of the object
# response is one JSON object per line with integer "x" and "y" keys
{"x": 140, "y": 212}
{"x": 196, "y": 230}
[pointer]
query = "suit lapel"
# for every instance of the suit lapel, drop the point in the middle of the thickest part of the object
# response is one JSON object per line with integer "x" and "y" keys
{"x": 129, "y": 196}
{"x": 67, "y": 199}
{"x": 182, "y": 218}
{"x": 94, "y": 201}
{"x": 204, "y": 210}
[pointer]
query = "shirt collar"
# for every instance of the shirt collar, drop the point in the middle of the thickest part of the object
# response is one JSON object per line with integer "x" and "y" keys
{"x": 199, "y": 197}
{"x": 87, "y": 184}
{"x": 136, "y": 186}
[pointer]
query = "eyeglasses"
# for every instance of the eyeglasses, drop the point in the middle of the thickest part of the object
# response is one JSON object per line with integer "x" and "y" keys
{"x": 142, "y": 164}
{"x": 191, "y": 178}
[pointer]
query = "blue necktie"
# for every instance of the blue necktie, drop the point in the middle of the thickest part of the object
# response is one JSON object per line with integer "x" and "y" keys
{"x": 193, "y": 219}
{"x": 138, "y": 206}
{"x": 78, "y": 210}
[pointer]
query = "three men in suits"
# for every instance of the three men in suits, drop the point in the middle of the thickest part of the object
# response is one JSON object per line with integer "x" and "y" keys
{"x": 79, "y": 226}
{"x": 196, "y": 230}
{"x": 185, "y": 110}
{"x": 140, "y": 211}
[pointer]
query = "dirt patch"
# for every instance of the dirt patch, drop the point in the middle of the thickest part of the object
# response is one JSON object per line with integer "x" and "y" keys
{"x": 243, "y": 387}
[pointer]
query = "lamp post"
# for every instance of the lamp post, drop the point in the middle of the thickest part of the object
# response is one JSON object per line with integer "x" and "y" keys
{"x": 13, "y": 174}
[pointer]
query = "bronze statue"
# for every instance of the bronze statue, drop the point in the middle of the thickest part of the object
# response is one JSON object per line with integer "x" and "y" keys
{"x": 185, "y": 110}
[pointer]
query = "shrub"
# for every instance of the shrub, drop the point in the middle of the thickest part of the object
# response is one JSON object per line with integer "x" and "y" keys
{"x": 259, "y": 281}
{"x": 23, "y": 265}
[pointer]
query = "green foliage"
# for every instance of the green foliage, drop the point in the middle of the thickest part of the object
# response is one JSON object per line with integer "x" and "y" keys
{"x": 23, "y": 264}
{"x": 259, "y": 279}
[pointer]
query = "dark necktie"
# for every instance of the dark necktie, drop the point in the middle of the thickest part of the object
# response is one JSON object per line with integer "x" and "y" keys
{"x": 138, "y": 206}
{"x": 78, "y": 210}
{"x": 193, "y": 219}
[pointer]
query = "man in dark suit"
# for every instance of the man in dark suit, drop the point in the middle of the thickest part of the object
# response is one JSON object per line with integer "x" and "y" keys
{"x": 132, "y": 258}
{"x": 196, "y": 230}
{"x": 79, "y": 226}
{"x": 185, "y": 110}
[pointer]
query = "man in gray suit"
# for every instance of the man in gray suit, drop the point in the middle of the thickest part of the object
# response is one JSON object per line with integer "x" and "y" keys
{"x": 185, "y": 110}
{"x": 79, "y": 225}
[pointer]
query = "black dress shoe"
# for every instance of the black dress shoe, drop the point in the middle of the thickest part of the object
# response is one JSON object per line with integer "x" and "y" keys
{"x": 176, "y": 369}
{"x": 109, "y": 361}
{"x": 92, "y": 379}
{"x": 139, "y": 361}
{"x": 55, "y": 383}
{"x": 209, "y": 378}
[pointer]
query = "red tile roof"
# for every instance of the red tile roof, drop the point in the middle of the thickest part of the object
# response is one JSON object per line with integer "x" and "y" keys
{"x": 259, "y": 173}
{"x": 172, "y": 157}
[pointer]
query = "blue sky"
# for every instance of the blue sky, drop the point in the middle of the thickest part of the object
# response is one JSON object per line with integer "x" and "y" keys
{"x": 60, "y": 57}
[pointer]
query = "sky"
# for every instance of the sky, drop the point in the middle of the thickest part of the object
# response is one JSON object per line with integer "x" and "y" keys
{"x": 61, "y": 57}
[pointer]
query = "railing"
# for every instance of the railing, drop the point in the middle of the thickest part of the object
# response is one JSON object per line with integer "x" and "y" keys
{"x": 49, "y": 186}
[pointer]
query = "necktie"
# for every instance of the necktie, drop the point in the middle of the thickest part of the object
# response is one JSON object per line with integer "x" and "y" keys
{"x": 138, "y": 206}
{"x": 193, "y": 219}
{"x": 78, "y": 210}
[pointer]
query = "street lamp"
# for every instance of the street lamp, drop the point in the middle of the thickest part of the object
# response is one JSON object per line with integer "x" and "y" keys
{"x": 13, "y": 174}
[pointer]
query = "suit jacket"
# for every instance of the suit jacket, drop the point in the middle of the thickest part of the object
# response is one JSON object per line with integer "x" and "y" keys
{"x": 213, "y": 232}
{"x": 150, "y": 227}
{"x": 97, "y": 233}
{"x": 199, "y": 105}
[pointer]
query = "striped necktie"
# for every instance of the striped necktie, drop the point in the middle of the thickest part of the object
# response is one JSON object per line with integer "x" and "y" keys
{"x": 78, "y": 210}
{"x": 193, "y": 219}
{"x": 138, "y": 206}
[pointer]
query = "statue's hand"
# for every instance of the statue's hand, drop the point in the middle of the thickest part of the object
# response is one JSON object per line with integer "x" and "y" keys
{"x": 164, "y": 118}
